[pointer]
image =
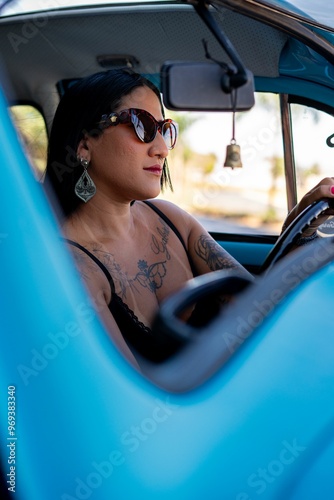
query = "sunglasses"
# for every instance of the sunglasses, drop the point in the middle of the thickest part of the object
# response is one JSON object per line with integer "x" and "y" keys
{"x": 144, "y": 124}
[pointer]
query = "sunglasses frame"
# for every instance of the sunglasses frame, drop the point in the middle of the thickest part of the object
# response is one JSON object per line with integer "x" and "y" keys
{"x": 128, "y": 116}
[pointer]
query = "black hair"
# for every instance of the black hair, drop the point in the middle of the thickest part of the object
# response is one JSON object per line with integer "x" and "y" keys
{"x": 78, "y": 112}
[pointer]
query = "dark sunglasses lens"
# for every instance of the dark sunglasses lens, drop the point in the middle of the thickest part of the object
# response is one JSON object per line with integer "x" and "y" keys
{"x": 169, "y": 133}
{"x": 144, "y": 126}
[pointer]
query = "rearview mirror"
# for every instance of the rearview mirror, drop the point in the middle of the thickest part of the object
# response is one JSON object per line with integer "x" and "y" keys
{"x": 196, "y": 86}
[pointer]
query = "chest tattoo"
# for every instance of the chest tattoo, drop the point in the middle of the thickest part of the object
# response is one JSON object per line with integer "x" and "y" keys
{"x": 149, "y": 276}
{"x": 161, "y": 246}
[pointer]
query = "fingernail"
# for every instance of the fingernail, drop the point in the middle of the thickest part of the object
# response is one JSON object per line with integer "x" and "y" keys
{"x": 332, "y": 189}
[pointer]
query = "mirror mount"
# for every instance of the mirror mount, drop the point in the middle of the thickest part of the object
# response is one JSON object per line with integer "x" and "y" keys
{"x": 231, "y": 79}
{"x": 208, "y": 86}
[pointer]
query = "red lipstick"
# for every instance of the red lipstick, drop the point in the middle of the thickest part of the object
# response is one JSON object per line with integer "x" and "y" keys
{"x": 155, "y": 169}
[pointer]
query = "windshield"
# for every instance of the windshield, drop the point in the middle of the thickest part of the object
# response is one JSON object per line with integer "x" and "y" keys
{"x": 321, "y": 11}
{"x": 10, "y": 7}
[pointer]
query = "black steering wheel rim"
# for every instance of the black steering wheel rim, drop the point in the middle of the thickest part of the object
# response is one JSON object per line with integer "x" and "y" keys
{"x": 173, "y": 331}
{"x": 209, "y": 348}
{"x": 290, "y": 236}
{"x": 167, "y": 321}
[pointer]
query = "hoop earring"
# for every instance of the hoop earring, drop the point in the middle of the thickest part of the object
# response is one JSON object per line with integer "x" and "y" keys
{"x": 85, "y": 188}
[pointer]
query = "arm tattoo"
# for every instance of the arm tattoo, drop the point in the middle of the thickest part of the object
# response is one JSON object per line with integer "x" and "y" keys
{"x": 213, "y": 255}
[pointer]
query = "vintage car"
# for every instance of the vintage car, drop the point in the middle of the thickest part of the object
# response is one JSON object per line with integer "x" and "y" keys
{"x": 243, "y": 408}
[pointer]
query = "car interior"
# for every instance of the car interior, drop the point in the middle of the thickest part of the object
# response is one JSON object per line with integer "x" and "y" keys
{"x": 240, "y": 407}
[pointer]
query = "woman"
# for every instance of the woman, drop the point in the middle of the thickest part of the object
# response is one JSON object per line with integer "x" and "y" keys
{"x": 108, "y": 154}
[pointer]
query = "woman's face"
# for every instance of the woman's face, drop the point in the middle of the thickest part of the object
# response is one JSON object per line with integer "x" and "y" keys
{"x": 121, "y": 166}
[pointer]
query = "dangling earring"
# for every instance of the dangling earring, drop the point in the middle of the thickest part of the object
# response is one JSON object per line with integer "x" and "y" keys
{"x": 85, "y": 187}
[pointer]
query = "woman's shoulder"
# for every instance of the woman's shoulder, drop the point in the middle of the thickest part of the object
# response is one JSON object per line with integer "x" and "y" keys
{"x": 170, "y": 209}
{"x": 180, "y": 218}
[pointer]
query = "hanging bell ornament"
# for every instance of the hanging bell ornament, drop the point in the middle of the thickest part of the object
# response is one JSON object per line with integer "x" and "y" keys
{"x": 233, "y": 159}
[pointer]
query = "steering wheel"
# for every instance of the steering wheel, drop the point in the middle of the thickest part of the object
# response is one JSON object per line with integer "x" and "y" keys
{"x": 289, "y": 238}
{"x": 205, "y": 287}
{"x": 229, "y": 282}
{"x": 177, "y": 333}
{"x": 211, "y": 285}
{"x": 203, "y": 351}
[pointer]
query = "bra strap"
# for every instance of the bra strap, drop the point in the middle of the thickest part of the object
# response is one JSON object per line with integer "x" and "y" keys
{"x": 175, "y": 230}
{"x": 95, "y": 259}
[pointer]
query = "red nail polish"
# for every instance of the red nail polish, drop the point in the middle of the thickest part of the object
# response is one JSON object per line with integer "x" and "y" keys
{"x": 332, "y": 189}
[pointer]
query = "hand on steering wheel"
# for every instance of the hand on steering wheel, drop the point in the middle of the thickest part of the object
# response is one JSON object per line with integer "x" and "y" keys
{"x": 303, "y": 225}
